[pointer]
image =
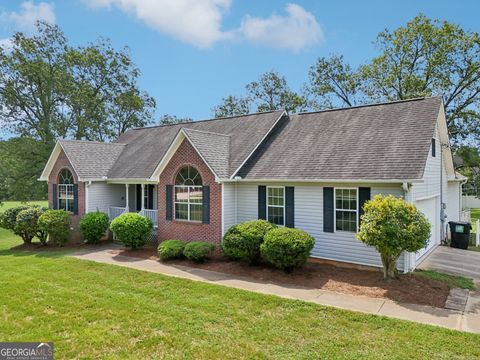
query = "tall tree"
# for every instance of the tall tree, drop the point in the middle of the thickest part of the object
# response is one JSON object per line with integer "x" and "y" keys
{"x": 50, "y": 90}
{"x": 425, "y": 57}
{"x": 271, "y": 92}
{"x": 232, "y": 106}
{"x": 168, "y": 119}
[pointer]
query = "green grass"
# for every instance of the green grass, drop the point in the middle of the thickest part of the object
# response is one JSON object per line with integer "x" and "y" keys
{"x": 10, "y": 204}
{"x": 93, "y": 310}
{"x": 451, "y": 280}
{"x": 474, "y": 214}
{"x": 474, "y": 248}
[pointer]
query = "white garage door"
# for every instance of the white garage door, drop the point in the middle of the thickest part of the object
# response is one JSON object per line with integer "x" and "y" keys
{"x": 429, "y": 209}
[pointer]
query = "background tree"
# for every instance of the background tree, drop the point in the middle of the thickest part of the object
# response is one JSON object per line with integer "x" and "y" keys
{"x": 269, "y": 92}
{"x": 393, "y": 226}
{"x": 468, "y": 163}
{"x": 51, "y": 90}
{"x": 425, "y": 57}
{"x": 167, "y": 119}
{"x": 232, "y": 106}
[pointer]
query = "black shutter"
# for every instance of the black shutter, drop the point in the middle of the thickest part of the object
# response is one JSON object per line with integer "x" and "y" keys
{"x": 75, "y": 199}
{"x": 328, "y": 209}
{"x": 262, "y": 202}
{"x": 363, "y": 196}
{"x": 138, "y": 192}
{"x": 289, "y": 206}
{"x": 206, "y": 204}
{"x": 433, "y": 148}
{"x": 150, "y": 196}
{"x": 54, "y": 197}
{"x": 168, "y": 201}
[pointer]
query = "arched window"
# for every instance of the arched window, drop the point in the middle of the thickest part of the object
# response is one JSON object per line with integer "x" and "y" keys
{"x": 188, "y": 194}
{"x": 66, "y": 197}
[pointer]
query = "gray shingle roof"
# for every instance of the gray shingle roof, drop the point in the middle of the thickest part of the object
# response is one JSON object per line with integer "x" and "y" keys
{"x": 377, "y": 142}
{"x": 91, "y": 159}
{"x": 145, "y": 147}
{"x": 214, "y": 147}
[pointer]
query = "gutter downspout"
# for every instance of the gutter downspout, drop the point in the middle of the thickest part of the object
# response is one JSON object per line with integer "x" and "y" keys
{"x": 408, "y": 257}
{"x": 236, "y": 178}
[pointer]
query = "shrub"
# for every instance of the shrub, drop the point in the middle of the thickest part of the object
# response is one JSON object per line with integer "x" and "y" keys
{"x": 8, "y": 220}
{"x": 170, "y": 249}
{"x": 393, "y": 226}
{"x": 198, "y": 251}
{"x": 27, "y": 224}
{"x": 287, "y": 248}
{"x": 132, "y": 229}
{"x": 242, "y": 241}
{"x": 93, "y": 226}
{"x": 56, "y": 223}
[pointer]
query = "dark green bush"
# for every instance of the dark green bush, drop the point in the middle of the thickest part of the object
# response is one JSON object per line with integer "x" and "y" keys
{"x": 242, "y": 241}
{"x": 132, "y": 229}
{"x": 56, "y": 223}
{"x": 8, "y": 220}
{"x": 198, "y": 251}
{"x": 27, "y": 224}
{"x": 287, "y": 248}
{"x": 170, "y": 249}
{"x": 93, "y": 226}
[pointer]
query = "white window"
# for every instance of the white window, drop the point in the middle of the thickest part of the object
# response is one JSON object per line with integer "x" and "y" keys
{"x": 65, "y": 191}
{"x": 346, "y": 209}
{"x": 188, "y": 195}
{"x": 276, "y": 205}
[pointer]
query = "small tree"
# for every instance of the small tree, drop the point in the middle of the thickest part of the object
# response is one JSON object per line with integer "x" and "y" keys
{"x": 393, "y": 226}
{"x": 27, "y": 224}
{"x": 8, "y": 220}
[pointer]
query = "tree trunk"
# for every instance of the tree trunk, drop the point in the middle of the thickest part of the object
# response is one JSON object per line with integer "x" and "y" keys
{"x": 389, "y": 267}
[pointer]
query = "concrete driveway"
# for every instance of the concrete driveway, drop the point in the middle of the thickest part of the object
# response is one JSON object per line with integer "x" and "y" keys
{"x": 453, "y": 261}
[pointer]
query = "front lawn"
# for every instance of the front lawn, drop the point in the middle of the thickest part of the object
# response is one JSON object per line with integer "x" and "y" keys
{"x": 10, "y": 204}
{"x": 93, "y": 310}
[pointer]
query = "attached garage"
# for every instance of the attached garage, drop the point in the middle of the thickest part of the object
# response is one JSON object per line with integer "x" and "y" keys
{"x": 430, "y": 208}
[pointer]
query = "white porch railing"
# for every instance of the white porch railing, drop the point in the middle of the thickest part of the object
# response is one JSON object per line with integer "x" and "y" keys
{"x": 115, "y": 211}
{"x": 151, "y": 214}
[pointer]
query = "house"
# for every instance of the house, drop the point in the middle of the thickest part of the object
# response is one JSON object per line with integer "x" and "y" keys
{"x": 311, "y": 171}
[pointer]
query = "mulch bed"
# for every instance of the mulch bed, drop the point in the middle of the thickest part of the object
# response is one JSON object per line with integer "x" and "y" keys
{"x": 409, "y": 288}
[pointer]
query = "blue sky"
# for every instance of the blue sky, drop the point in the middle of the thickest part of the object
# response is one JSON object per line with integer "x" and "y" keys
{"x": 193, "y": 52}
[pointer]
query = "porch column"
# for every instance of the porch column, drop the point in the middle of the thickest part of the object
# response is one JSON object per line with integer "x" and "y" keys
{"x": 143, "y": 197}
{"x": 126, "y": 198}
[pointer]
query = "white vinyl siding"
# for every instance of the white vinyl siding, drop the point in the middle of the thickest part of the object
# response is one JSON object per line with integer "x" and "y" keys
{"x": 102, "y": 195}
{"x": 338, "y": 246}
{"x": 228, "y": 209}
{"x": 453, "y": 201}
{"x": 431, "y": 184}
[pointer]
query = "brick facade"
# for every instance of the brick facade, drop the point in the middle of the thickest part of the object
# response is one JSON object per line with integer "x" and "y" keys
{"x": 63, "y": 163}
{"x": 185, "y": 230}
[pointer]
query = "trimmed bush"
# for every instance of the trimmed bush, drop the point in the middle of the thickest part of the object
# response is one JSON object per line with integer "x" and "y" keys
{"x": 287, "y": 248}
{"x": 132, "y": 229}
{"x": 93, "y": 226}
{"x": 393, "y": 226}
{"x": 198, "y": 251}
{"x": 8, "y": 220}
{"x": 170, "y": 249}
{"x": 27, "y": 224}
{"x": 56, "y": 223}
{"x": 242, "y": 241}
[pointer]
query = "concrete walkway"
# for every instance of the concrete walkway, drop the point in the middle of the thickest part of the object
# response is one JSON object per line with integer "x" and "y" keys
{"x": 451, "y": 319}
{"x": 453, "y": 261}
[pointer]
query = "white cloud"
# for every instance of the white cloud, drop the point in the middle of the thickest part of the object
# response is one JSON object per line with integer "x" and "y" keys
{"x": 295, "y": 31}
{"x": 199, "y": 22}
{"x": 196, "y": 22}
{"x": 28, "y": 15}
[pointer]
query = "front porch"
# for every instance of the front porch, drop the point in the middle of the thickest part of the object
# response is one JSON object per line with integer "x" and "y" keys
{"x": 138, "y": 198}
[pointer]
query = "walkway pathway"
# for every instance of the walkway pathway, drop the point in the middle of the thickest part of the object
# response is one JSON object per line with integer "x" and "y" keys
{"x": 419, "y": 313}
{"x": 453, "y": 261}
